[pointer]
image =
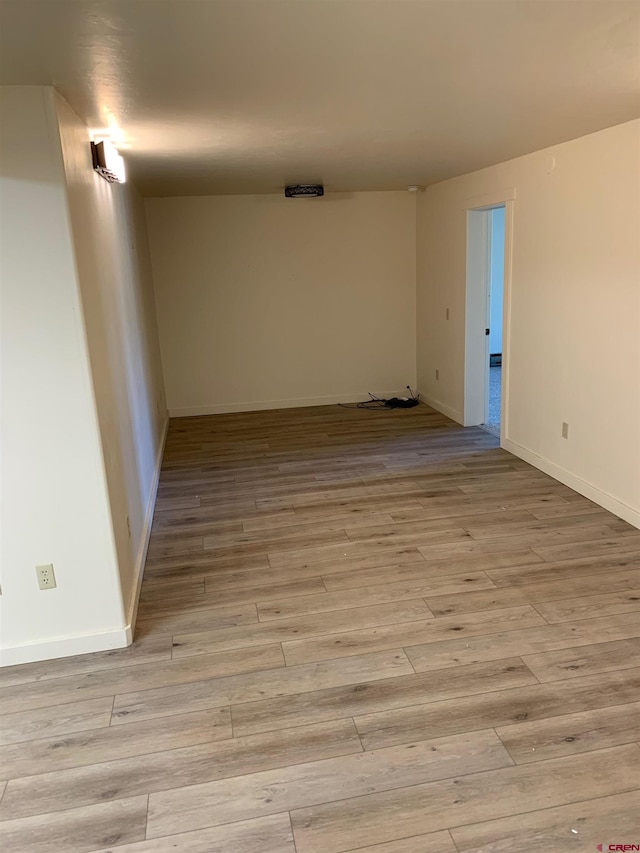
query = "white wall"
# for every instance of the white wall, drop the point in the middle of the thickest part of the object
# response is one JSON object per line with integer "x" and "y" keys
{"x": 55, "y": 506}
{"x": 83, "y": 410}
{"x": 265, "y": 301}
{"x": 114, "y": 270}
{"x": 575, "y": 308}
{"x": 496, "y": 285}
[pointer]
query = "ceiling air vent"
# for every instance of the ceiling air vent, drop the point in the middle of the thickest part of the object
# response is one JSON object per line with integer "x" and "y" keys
{"x": 304, "y": 191}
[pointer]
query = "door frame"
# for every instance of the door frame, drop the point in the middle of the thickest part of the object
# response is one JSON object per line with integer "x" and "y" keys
{"x": 478, "y": 271}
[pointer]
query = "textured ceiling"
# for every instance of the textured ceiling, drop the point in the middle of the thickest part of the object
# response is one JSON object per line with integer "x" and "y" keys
{"x": 237, "y": 96}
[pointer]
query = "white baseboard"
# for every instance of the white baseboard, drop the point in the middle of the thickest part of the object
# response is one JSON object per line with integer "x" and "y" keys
{"x": 443, "y": 408}
{"x": 132, "y": 609}
{"x": 64, "y": 647}
{"x": 594, "y": 494}
{"x": 295, "y": 403}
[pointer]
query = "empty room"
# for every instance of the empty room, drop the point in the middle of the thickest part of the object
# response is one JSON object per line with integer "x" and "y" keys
{"x": 320, "y": 426}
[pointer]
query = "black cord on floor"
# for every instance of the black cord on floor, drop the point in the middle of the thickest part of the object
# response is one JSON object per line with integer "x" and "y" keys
{"x": 368, "y": 404}
{"x": 379, "y": 403}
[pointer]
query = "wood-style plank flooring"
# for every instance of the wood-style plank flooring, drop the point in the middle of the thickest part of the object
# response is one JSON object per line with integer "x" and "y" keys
{"x": 358, "y": 631}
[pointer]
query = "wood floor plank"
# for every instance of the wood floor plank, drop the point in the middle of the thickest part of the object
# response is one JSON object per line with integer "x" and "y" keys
{"x": 577, "y": 534}
{"x": 409, "y": 634}
{"x": 177, "y": 546}
{"x": 223, "y": 489}
{"x": 343, "y": 561}
{"x": 532, "y": 593}
{"x": 368, "y": 697}
{"x": 444, "y": 804}
{"x": 528, "y": 641}
{"x": 163, "y": 533}
{"x": 77, "y": 830}
{"x": 522, "y": 527}
{"x": 556, "y": 510}
{"x": 578, "y": 826}
{"x": 118, "y": 778}
{"x": 222, "y": 614}
{"x": 281, "y": 541}
{"x": 271, "y": 519}
{"x": 324, "y": 602}
{"x": 111, "y": 743}
{"x": 352, "y": 576}
{"x": 265, "y": 532}
{"x": 255, "y": 589}
{"x": 153, "y": 590}
{"x": 250, "y": 687}
{"x": 447, "y": 507}
{"x": 355, "y": 507}
{"x": 571, "y": 733}
{"x": 167, "y": 617}
{"x": 329, "y": 552}
{"x": 405, "y": 531}
{"x": 576, "y": 662}
{"x": 408, "y": 488}
{"x": 608, "y": 545}
{"x": 317, "y": 466}
{"x": 163, "y": 504}
{"x": 231, "y": 509}
{"x": 270, "y": 834}
{"x": 582, "y": 567}
{"x": 197, "y": 565}
{"x": 491, "y": 477}
{"x": 348, "y": 512}
{"x": 314, "y": 625}
{"x": 532, "y": 485}
{"x": 505, "y": 707}
{"x": 607, "y": 604}
{"x": 436, "y": 842}
{"x": 220, "y": 580}
{"x": 305, "y": 785}
{"x": 55, "y": 722}
{"x": 265, "y": 591}
{"x": 59, "y": 691}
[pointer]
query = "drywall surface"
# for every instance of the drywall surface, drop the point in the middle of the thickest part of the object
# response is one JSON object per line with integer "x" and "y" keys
{"x": 114, "y": 271}
{"x": 575, "y": 307}
{"x": 54, "y": 502}
{"x": 265, "y": 301}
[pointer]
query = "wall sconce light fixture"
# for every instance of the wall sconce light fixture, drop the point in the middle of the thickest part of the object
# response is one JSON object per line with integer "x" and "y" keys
{"x": 107, "y": 162}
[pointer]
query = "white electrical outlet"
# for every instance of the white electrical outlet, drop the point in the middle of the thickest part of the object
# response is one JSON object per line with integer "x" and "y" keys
{"x": 46, "y": 576}
{"x": 565, "y": 429}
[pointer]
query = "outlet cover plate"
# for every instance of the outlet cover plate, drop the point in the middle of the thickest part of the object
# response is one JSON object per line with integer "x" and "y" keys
{"x": 46, "y": 576}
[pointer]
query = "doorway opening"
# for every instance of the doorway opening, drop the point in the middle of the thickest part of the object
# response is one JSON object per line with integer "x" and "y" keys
{"x": 495, "y": 313}
{"x": 489, "y": 230}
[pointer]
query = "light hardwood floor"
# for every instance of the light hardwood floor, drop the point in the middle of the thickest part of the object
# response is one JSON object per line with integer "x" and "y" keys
{"x": 358, "y": 631}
